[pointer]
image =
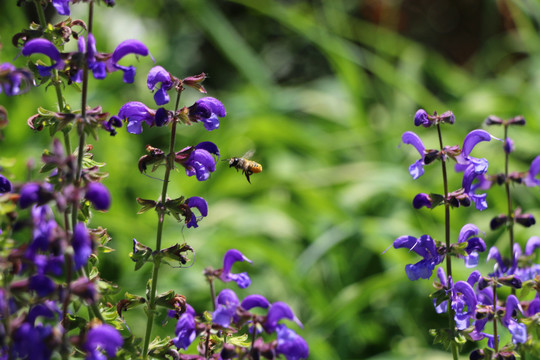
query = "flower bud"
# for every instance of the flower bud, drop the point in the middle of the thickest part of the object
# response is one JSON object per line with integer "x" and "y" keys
{"x": 98, "y": 195}
{"x": 498, "y": 221}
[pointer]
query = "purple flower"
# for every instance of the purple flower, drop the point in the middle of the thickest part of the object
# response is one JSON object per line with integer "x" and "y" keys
{"x": 5, "y": 185}
{"x": 135, "y": 113}
{"x": 98, "y": 195}
{"x": 34, "y": 193}
{"x": 125, "y": 48}
{"x": 464, "y": 159}
{"x": 278, "y": 310}
{"x": 198, "y": 160}
{"x": 82, "y": 245}
{"x": 200, "y": 204}
{"x": 474, "y": 244}
{"x": 534, "y": 169}
{"x": 290, "y": 344}
{"x": 14, "y": 81}
{"x": 421, "y": 118}
{"x": 44, "y": 46}
{"x": 425, "y": 247}
{"x": 508, "y": 146}
{"x": 44, "y": 226}
{"x": 242, "y": 279}
{"x": 207, "y": 110}
{"x": 185, "y": 331}
{"x": 32, "y": 342}
{"x": 254, "y": 300}
{"x": 518, "y": 331}
{"x": 111, "y": 125}
{"x": 227, "y": 301}
{"x": 104, "y": 337}
{"x": 469, "y": 176}
{"x": 416, "y": 169}
{"x": 464, "y": 304}
{"x": 62, "y": 6}
{"x": 41, "y": 284}
{"x": 158, "y": 75}
{"x": 421, "y": 200}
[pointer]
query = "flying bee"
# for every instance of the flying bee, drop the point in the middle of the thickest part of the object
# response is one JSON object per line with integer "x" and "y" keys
{"x": 248, "y": 167}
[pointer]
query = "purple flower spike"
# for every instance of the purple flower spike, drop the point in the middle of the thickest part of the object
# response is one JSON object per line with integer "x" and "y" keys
{"x": 5, "y": 185}
{"x": 201, "y": 205}
{"x": 43, "y": 46}
{"x": 82, "y": 245}
{"x": 242, "y": 279}
{"x": 128, "y": 47}
{"x": 42, "y": 285}
{"x": 159, "y": 75}
{"x": 99, "y": 196}
{"x": 421, "y": 118}
{"x": 425, "y": 247}
{"x": 290, "y": 344}
{"x": 254, "y": 300}
{"x": 279, "y": 310}
{"x": 103, "y": 337}
{"x": 185, "y": 331}
{"x": 207, "y": 110}
{"x": 416, "y": 169}
{"x": 135, "y": 113}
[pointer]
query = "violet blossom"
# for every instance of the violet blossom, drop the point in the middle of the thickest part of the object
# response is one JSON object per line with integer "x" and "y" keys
{"x": 185, "y": 331}
{"x": 425, "y": 247}
{"x": 225, "y": 312}
{"x": 200, "y": 204}
{"x": 207, "y": 110}
{"x": 104, "y": 337}
{"x": 198, "y": 160}
{"x": 417, "y": 168}
{"x": 278, "y": 311}
{"x": 290, "y": 344}
{"x": 14, "y": 81}
{"x": 242, "y": 279}
{"x": 474, "y": 244}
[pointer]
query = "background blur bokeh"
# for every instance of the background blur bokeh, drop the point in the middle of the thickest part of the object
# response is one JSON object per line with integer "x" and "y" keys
{"x": 322, "y": 90}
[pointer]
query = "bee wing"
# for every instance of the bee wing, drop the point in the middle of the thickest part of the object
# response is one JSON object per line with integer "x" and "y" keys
{"x": 249, "y": 154}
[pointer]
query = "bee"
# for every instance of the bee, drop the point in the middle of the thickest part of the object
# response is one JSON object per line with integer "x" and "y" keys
{"x": 248, "y": 167}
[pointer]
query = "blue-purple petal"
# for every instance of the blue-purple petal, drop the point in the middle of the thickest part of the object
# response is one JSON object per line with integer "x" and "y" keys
{"x": 473, "y": 138}
{"x": 254, "y": 300}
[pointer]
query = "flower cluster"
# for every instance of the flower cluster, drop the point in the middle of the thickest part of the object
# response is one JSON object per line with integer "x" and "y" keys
{"x": 473, "y": 303}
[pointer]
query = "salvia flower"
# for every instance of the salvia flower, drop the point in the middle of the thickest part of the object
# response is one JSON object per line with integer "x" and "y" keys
{"x": 475, "y": 244}
{"x": 82, "y": 245}
{"x": 421, "y": 200}
{"x": 185, "y": 331}
{"x": 158, "y": 75}
{"x": 464, "y": 159}
{"x": 200, "y": 204}
{"x": 135, "y": 113}
{"x": 14, "y": 81}
{"x": 34, "y": 193}
{"x": 104, "y": 337}
{"x": 534, "y": 169}
{"x": 207, "y": 110}
{"x": 424, "y": 246}
{"x": 44, "y": 46}
{"x": 125, "y": 48}
{"x": 225, "y": 313}
{"x": 518, "y": 330}
{"x": 5, "y": 185}
{"x": 290, "y": 344}
{"x": 421, "y": 118}
{"x": 98, "y": 195}
{"x": 62, "y": 6}
{"x": 198, "y": 160}
{"x": 232, "y": 256}
{"x": 464, "y": 304}
{"x": 417, "y": 168}
{"x": 278, "y": 311}
{"x": 254, "y": 300}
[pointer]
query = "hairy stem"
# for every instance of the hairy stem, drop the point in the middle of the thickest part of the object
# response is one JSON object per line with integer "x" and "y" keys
{"x": 448, "y": 258}
{"x": 161, "y": 215}
{"x": 496, "y": 337}
{"x": 510, "y": 212}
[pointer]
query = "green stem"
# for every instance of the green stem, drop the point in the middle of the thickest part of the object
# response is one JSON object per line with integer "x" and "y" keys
{"x": 496, "y": 337}
{"x": 510, "y": 212}
{"x": 161, "y": 214}
{"x": 448, "y": 258}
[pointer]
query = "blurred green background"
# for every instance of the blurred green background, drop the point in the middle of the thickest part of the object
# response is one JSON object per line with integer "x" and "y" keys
{"x": 322, "y": 90}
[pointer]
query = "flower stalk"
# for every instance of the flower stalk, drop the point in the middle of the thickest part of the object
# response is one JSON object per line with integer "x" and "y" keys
{"x": 161, "y": 215}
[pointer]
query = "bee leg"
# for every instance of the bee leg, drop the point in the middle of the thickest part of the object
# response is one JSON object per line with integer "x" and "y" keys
{"x": 248, "y": 173}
